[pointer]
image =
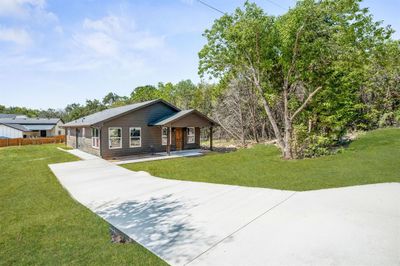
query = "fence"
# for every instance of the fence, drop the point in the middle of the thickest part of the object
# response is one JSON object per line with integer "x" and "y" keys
{"x": 31, "y": 141}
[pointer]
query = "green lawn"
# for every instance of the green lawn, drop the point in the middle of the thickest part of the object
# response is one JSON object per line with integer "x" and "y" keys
{"x": 373, "y": 158}
{"x": 40, "y": 224}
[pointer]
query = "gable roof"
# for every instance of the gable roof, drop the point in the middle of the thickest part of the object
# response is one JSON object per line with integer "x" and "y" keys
{"x": 179, "y": 115}
{"x": 113, "y": 113}
{"x": 30, "y": 121}
{"x": 7, "y": 116}
{"x": 16, "y": 126}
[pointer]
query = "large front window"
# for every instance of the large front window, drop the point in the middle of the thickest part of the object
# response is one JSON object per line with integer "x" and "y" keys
{"x": 135, "y": 137}
{"x": 115, "y": 137}
{"x": 95, "y": 138}
{"x": 191, "y": 135}
{"x": 164, "y": 136}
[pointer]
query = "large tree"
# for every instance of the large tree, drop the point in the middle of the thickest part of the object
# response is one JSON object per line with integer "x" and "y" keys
{"x": 291, "y": 58}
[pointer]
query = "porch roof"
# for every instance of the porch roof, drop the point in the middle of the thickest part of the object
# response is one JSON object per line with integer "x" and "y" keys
{"x": 171, "y": 119}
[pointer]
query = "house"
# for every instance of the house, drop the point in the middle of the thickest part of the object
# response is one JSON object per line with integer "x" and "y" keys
{"x": 20, "y": 126}
{"x": 146, "y": 127}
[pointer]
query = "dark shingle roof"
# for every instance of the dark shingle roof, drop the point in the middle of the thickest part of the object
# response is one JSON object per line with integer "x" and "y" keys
{"x": 171, "y": 118}
{"x": 111, "y": 113}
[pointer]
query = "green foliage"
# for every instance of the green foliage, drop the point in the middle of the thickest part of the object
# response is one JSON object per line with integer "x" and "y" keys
{"x": 144, "y": 93}
{"x": 332, "y": 45}
{"x": 113, "y": 99}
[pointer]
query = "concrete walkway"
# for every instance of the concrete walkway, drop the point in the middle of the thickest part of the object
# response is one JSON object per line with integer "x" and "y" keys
{"x": 208, "y": 224}
{"x": 80, "y": 154}
{"x": 158, "y": 156}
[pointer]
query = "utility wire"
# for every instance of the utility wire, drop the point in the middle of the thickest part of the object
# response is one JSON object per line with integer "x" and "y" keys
{"x": 210, "y": 6}
{"x": 276, "y": 4}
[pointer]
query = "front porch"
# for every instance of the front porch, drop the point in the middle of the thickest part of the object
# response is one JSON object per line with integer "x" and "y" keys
{"x": 158, "y": 156}
{"x": 181, "y": 130}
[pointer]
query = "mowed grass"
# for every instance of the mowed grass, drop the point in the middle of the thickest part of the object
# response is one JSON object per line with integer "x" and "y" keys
{"x": 40, "y": 224}
{"x": 373, "y": 158}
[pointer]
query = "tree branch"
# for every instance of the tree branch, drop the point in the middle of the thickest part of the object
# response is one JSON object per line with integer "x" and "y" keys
{"x": 294, "y": 56}
{"x": 267, "y": 108}
{"x": 305, "y": 103}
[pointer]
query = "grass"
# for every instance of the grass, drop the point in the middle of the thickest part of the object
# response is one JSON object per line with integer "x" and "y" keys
{"x": 41, "y": 224}
{"x": 373, "y": 158}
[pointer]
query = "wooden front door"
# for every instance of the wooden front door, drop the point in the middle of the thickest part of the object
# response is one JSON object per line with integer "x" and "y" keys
{"x": 179, "y": 139}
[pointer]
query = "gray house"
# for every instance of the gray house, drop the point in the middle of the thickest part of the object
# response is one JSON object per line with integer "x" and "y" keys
{"x": 152, "y": 126}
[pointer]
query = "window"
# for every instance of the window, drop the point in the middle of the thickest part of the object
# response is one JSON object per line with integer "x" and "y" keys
{"x": 191, "y": 135}
{"x": 135, "y": 139}
{"x": 95, "y": 138}
{"x": 164, "y": 136}
{"x": 115, "y": 137}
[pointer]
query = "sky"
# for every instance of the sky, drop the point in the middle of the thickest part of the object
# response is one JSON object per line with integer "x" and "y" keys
{"x": 57, "y": 52}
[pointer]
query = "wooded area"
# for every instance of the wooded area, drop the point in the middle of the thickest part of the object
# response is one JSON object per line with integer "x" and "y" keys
{"x": 305, "y": 78}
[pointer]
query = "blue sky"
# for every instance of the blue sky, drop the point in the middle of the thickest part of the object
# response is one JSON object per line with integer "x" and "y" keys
{"x": 57, "y": 52}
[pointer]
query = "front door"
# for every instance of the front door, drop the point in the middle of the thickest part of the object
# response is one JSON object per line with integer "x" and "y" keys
{"x": 179, "y": 139}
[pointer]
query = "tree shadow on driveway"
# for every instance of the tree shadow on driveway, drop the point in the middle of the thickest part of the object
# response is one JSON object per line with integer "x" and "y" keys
{"x": 161, "y": 224}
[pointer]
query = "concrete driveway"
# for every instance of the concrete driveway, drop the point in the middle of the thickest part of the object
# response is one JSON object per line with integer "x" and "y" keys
{"x": 208, "y": 224}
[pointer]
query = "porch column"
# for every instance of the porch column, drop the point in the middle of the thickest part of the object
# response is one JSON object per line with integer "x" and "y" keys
{"x": 211, "y": 138}
{"x": 169, "y": 141}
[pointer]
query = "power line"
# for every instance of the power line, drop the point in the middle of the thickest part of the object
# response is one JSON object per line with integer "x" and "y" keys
{"x": 210, "y": 6}
{"x": 276, "y": 4}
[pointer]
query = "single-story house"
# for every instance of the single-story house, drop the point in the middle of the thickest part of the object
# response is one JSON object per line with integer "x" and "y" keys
{"x": 17, "y": 126}
{"x": 146, "y": 127}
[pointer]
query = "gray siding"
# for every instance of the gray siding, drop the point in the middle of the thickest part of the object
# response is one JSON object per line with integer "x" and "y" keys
{"x": 196, "y": 144}
{"x": 151, "y": 136}
{"x": 84, "y": 140}
{"x": 191, "y": 120}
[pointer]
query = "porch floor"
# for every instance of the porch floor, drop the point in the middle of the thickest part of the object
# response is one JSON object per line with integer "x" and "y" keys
{"x": 157, "y": 156}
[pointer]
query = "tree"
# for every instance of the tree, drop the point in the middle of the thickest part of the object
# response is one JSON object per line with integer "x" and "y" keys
{"x": 291, "y": 58}
{"x": 110, "y": 99}
{"x": 144, "y": 93}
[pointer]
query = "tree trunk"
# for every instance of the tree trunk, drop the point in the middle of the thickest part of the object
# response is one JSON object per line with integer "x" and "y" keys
{"x": 287, "y": 140}
{"x": 271, "y": 118}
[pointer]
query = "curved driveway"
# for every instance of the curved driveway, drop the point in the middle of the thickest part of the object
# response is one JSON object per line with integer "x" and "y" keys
{"x": 209, "y": 224}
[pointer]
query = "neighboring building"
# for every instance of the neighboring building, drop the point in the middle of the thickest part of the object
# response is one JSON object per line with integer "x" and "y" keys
{"x": 9, "y": 116}
{"x": 146, "y": 127}
{"x": 19, "y": 126}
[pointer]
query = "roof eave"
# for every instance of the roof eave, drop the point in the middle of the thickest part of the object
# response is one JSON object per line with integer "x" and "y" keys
{"x": 213, "y": 123}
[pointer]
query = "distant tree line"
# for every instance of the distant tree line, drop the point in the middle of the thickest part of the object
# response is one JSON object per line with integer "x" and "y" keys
{"x": 184, "y": 94}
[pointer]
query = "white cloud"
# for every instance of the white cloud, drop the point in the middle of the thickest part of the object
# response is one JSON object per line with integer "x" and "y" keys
{"x": 15, "y": 35}
{"x": 26, "y": 9}
{"x": 110, "y": 24}
{"x": 58, "y": 29}
{"x": 113, "y": 35}
{"x": 99, "y": 43}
